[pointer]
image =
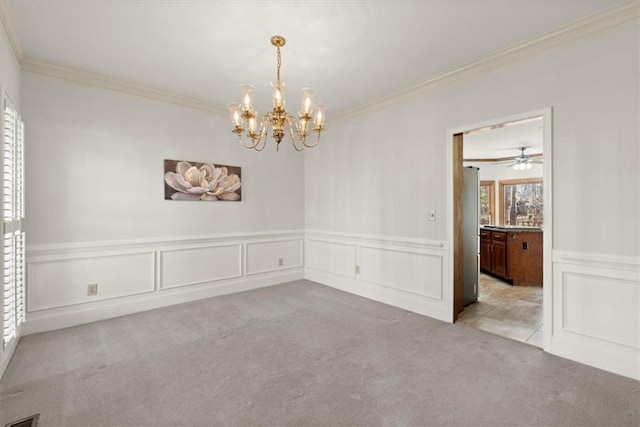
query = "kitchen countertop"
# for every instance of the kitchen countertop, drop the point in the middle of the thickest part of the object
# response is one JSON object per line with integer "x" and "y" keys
{"x": 507, "y": 228}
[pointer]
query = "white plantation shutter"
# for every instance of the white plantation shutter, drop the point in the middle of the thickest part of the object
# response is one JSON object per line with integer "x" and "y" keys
{"x": 12, "y": 215}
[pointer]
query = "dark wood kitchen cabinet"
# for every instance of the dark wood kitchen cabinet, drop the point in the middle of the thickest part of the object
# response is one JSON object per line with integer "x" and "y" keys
{"x": 485, "y": 250}
{"x": 493, "y": 253}
{"x": 514, "y": 255}
{"x": 499, "y": 265}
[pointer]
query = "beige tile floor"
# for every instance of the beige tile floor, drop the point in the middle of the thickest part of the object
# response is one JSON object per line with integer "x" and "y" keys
{"x": 510, "y": 311}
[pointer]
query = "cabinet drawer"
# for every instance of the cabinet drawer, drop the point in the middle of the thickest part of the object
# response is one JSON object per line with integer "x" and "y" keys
{"x": 499, "y": 237}
{"x": 486, "y": 234}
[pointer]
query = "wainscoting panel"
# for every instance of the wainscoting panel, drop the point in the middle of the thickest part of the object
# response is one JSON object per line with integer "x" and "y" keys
{"x": 332, "y": 257}
{"x": 596, "y": 311}
{"x": 145, "y": 274}
{"x": 403, "y": 272}
{"x": 603, "y": 308}
{"x": 263, "y": 257}
{"x": 195, "y": 265}
{"x": 409, "y": 271}
{"x": 63, "y": 281}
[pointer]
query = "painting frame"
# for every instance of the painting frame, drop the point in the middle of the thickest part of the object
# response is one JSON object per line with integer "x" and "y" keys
{"x": 186, "y": 180}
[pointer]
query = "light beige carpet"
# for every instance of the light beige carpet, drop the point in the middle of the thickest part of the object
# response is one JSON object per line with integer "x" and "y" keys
{"x": 301, "y": 354}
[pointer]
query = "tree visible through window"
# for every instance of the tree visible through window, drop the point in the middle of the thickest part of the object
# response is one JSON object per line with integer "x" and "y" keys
{"x": 487, "y": 190}
{"x": 521, "y": 202}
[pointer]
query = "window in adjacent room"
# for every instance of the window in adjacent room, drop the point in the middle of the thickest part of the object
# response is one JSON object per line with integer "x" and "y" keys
{"x": 521, "y": 202}
{"x": 487, "y": 203}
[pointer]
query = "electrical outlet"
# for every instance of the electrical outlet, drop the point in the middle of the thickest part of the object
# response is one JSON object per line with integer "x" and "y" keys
{"x": 432, "y": 215}
{"x": 92, "y": 289}
{"x": 525, "y": 245}
{"x": 280, "y": 262}
{"x": 357, "y": 269}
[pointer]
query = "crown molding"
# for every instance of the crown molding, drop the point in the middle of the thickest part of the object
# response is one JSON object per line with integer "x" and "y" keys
{"x": 6, "y": 18}
{"x": 565, "y": 35}
{"x": 568, "y": 34}
{"x": 74, "y": 75}
{"x": 86, "y": 78}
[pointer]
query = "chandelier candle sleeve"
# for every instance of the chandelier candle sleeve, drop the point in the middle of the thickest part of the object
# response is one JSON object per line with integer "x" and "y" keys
{"x": 278, "y": 94}
{"x": 247, "y": 104}
{"x": 307, "y": 100}
{"x": 245, "y": 118}
{"x": 235, "y": 114}
{"x": 319, "y": 119}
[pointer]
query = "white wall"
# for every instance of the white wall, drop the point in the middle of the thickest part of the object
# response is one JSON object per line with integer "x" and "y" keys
{"x": 379, "y": 174}
{"x": 95, "y": 169}
{"x": 96, "y": 211}
{"x": 382, "y": 172}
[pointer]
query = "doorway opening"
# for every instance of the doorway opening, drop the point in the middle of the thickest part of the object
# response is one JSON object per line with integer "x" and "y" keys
{"x": 500, "y": 226}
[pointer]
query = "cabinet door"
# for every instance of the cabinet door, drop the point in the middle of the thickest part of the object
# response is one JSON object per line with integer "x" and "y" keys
{"x": 499, "y": 258}
{"x": 485, "y": 254}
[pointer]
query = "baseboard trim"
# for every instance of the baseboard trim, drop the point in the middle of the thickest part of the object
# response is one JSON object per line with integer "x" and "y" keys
{"x": 7, "y": 354}
{"x": 406, "y": 300}
{"x": 48, "y": 321}
{"x": 596, "y": 357}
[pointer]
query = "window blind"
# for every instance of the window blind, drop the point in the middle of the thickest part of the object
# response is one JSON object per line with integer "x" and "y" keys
{"x": 13, "y": 214}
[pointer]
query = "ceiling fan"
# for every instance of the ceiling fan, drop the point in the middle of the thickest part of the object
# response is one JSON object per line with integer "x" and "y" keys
{"x": 523, "y": 161}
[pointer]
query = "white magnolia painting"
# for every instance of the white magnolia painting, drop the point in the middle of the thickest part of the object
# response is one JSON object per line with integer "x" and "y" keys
{"x": 201, "y": 181}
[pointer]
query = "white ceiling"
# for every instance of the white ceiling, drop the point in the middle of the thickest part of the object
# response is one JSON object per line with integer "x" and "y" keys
{"x": 351, "y": 52}
{"x": 504, "y": 141}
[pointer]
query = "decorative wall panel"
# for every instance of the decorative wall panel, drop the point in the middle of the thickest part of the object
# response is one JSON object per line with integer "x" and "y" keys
{"x": 194, "y": 265}
{"x": 596, "y": 311}
{"x": 332, "y": 257}
{"x": 264, "y": 257}
{"x": 410, "y": 271}
{"x": 63, "y": 281}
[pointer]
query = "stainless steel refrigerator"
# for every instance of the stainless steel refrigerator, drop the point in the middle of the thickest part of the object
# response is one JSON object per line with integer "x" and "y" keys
{"x": 470, "y": 233}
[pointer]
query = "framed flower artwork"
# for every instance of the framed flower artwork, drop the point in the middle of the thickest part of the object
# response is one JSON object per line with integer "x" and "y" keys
{"x": 186, "y": 180}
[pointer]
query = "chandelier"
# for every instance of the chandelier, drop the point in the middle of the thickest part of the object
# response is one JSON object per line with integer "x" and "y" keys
{"x": 245, "y": 117}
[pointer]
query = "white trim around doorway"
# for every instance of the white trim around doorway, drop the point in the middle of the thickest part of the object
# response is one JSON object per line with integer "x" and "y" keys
{"x": 546, "y": 114}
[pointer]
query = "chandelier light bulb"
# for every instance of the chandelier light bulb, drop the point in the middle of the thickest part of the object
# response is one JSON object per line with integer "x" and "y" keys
{"x": 253, "y": 124}
{"x": 278, "y": 94}
{"x": 234, "y": 108}
{"x": 307, "y": 100}
{"x": 319, "y": 118}
{"x": 247, "y": 103}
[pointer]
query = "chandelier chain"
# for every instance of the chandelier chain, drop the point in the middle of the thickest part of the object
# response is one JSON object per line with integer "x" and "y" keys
{"x": 278, "y": 63}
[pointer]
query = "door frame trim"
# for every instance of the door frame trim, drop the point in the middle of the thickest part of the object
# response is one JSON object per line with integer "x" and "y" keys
{"x": 547, "y": 135}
